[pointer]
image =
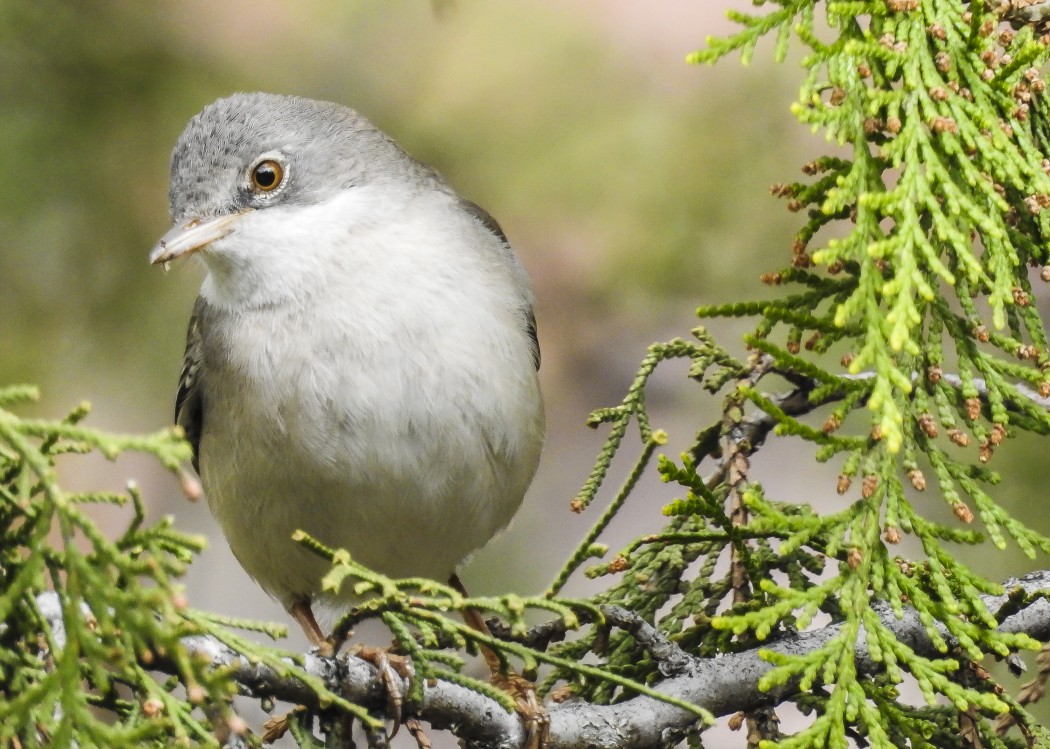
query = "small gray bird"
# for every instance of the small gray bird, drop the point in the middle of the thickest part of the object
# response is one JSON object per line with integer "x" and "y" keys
{"x": 362, "y": 360}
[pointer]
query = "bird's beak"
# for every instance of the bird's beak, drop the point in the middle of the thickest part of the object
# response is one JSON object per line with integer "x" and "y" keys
{"x": 192, "y": 235}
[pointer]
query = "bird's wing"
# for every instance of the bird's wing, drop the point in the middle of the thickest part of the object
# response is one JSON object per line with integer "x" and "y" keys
{"x": 189, "y": 405}
{"x": 493, "y": 226}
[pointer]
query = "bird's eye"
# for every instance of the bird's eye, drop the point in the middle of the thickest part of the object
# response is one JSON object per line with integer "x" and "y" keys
{"x": 267, "y": 175}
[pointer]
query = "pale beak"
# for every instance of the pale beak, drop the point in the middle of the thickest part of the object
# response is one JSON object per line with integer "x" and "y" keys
{"x": 191, "y": 236}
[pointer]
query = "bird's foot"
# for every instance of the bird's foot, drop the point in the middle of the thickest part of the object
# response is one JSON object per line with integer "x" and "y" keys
{"x": 533, "y": 713}
{"x": 393, "y": 670}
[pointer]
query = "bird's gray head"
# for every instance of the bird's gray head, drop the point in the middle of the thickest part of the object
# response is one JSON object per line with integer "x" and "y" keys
{"x": 252, "y": 152}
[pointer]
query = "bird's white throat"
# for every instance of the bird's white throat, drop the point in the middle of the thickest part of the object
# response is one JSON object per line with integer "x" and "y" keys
{"x": 281, "y": 252}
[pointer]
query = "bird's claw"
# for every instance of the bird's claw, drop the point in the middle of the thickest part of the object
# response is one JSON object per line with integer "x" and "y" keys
{"x": 533, "y": 713}
{"x": 393, "y": 670}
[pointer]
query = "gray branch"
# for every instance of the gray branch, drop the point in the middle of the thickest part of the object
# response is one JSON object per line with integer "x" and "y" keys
{"x": 1020, "y": 12}
{"x": 722, "y": 685}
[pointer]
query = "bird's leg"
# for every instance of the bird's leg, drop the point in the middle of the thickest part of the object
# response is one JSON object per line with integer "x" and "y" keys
{"x": 304, "y": 615}
{"x": 529, "y": 707}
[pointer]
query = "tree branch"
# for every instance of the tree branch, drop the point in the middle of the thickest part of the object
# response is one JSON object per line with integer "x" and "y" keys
{"x": 722, "y": 685}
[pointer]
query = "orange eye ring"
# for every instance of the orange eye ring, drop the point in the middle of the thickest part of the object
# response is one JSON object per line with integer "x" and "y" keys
{"x": 267, "y": 176}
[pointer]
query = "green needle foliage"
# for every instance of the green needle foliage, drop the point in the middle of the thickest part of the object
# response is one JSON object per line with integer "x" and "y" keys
{"x": 907, "y": 320}
{"x": 118, "y": 606}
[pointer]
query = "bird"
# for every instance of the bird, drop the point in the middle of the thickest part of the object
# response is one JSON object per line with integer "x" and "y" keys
{"x": 362, "y": 359}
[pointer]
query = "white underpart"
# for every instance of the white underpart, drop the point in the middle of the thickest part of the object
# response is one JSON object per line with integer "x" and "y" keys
{"x": 368, "y": 380}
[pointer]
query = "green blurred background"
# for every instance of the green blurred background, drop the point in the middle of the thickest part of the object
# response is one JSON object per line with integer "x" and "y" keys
{"x": 633, "y": 186}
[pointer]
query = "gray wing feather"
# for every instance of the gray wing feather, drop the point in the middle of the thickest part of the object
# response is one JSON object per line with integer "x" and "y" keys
{"x": 493, "y": 226}
{"x": 189, "y": 403}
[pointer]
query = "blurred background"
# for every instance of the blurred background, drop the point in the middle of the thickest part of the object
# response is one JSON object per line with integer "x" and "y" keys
{"x": 633, "y": 186}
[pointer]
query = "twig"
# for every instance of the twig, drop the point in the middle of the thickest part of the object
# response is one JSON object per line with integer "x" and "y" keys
{"x": 753, "y": 430}
{"x": 1020, "y": 12}
{"x": 670, "y": 659}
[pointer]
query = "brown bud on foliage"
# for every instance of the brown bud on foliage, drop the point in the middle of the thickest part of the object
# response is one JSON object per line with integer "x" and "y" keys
{"x": 1044, "y": 389}
{"x": 875, "y": 434}
{"x": 928, "y": 425}
{"x": 618, "y": 564}
{"x": 832, "y": 423}
{"x": 152, "y": 707}
{"x": 918, "y": 479}
{"x": 871, "y": 483}
{"x": 846, "y": 360}
{"x": 934, "y": 373}
{"x": 838, "y": 96}
{"x": 985, "y": 451}
{"x": 863, "y": 70}
{"x": 854, "y": 558}
{"x": 893, "y": 124}
{"x": 843, "y": 484}
{"x": 891, "y": 535}
{"x": 811, "y": 342}
{"x": 959, "y": 437}
{"x": 943, "y": 61}
{"x": 576, "y": 506}
{"x": 1045, "y": 273}
{"x": 772, "y": 279}
{"x": 944, "y": 125}
{"x": 736, "y": 721}
{"x": 793, "y": 347}
{"x": 1024, "y": 351}
{"x": 963, "y": 512}
{"x": 936, "y": 31}
{"x": 973, "y": 408}
{"x": 981, "y": 333}
{"x": 801, "y": 261}
{"x": 938, "y": 94}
